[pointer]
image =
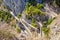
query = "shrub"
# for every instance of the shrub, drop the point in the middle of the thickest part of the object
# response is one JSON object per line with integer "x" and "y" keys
{"x": 39, "y": 6}
{"x": 18, "y": 29}
{"x": 30, "y": 9}
{"x": 33, "y": 20}
{"x": 5, "y": 16}
{"x": 34, "y": 24}
{"x": 14, "y": 25}
{"x": 35, "y": 11}
{"x": 49, "y": 20}
{"x": 46, "y": 30}
{"x": 45, "y": 23}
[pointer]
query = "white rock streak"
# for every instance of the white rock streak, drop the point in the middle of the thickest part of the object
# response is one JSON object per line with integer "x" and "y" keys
{"x": 49, "y": 11}
{"x": 21, "y": 22}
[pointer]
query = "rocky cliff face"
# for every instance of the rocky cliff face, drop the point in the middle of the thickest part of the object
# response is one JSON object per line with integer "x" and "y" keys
{"x": 17, "y": 5}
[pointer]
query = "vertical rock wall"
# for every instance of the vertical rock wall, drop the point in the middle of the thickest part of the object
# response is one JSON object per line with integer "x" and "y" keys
{"x": 17, "y": 5}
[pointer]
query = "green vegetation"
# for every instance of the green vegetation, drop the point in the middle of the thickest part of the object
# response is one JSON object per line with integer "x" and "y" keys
{"x": 30, "y": 9}
{"x": 46, "y": 30}
{"x": 35, "y": 13}
{"x": 18, "y": 29}
{"x": 28, "y": 16}
{"x": 49, "y": 21}
{"x": 14, "y": 25}
{"x": 45, "y": 23}
{"x": 33, "y": 22}
{"x": 19, "y": 15}
{"x": 39, "y": 6}
{"x": 5, "y": 16}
